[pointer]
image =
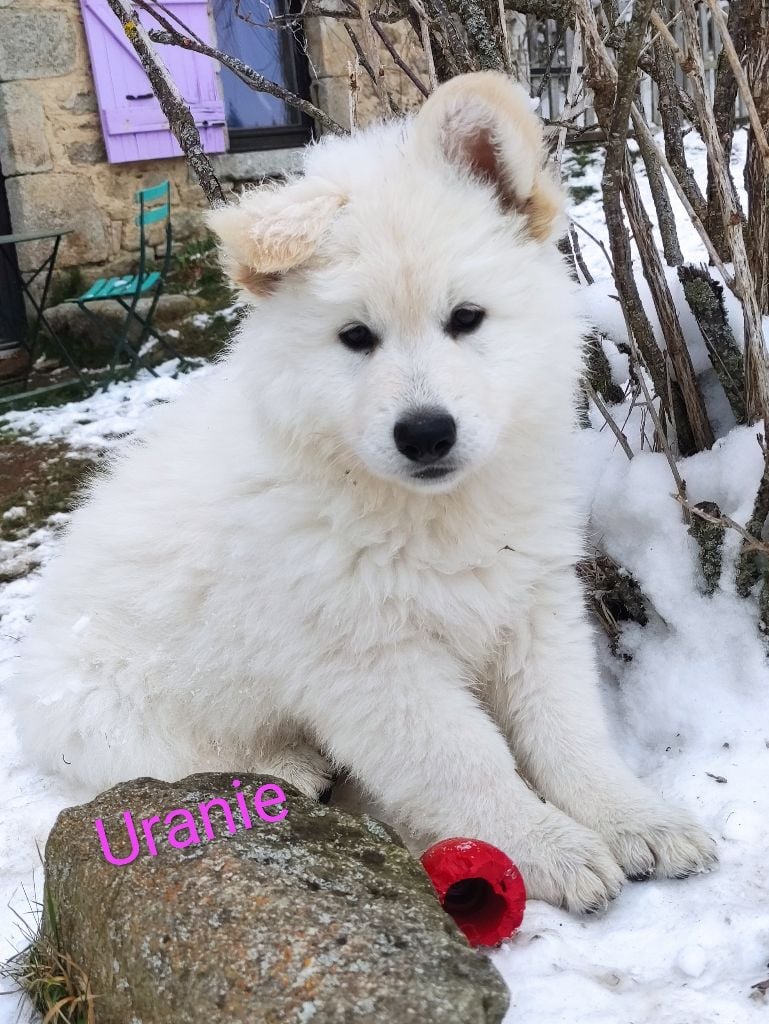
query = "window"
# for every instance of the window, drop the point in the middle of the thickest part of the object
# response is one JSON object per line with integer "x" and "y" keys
{"x": 256, "y": 120}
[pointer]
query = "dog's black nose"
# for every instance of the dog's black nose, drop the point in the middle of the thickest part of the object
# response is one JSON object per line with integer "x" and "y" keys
{"x": 426, "y": 436}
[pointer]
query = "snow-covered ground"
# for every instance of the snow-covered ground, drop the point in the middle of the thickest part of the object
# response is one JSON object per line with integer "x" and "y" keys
{"x": 690, "y": 711}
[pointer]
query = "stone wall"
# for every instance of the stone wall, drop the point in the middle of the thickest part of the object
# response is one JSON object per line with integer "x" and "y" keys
{"x": 331, "y": 52}
{"x": 51, "y": 148}
{"x": 52, "y": 153}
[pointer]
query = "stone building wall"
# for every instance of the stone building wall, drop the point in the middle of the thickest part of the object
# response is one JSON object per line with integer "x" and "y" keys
{"x": 331, "y": 52}
{"x": 51, "y": 148}
{"x": 52, "y": 153}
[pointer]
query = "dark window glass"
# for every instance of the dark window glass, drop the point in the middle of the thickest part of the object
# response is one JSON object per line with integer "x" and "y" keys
{"x": 242, "y": 29}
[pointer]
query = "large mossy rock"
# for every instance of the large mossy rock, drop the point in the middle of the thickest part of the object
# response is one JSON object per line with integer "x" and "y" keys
{"x": 321, "y": 917}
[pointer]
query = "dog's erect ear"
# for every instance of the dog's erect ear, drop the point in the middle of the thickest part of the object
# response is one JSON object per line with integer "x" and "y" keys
{"x": 483, "y": 123}
{"x": 270, "y": 231}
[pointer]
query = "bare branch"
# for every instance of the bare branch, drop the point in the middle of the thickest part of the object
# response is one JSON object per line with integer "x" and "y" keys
{"x": 707, "y": 528}
{"x": 369, "y": 43}
{"x": 641, "y": 129}
{"x": 412, "y": 76}
{"x": 666, "y": 220}
{"x": 706, "y": 301}
{"x": 373, "y": 74}
{"x": 751, "y": 543}
{"x": 748, "y": 569}
{"x": 742, "y": 81}
{"x": 756, "y": 357}
{"x": 352, "y": 82}
{"x": 610, "y": 421}
{"x": 248, "y": 75}
{"x": 180, "y": 120}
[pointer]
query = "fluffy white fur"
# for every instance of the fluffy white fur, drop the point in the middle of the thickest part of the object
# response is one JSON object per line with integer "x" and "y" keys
{"x": 260, "y": 577}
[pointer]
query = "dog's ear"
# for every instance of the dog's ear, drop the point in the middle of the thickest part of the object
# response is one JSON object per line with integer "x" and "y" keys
{"x": 483, "y": 123}
{"x": 269, "y": 231}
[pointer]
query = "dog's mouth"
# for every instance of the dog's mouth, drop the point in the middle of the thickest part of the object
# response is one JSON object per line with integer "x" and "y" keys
{"x": 433, "y": 472}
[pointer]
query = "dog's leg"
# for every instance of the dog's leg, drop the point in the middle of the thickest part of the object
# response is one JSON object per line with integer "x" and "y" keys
{"x": 301, "y": 766}
{"x": 546, "y": 698}
{"x": 406, "y": 726}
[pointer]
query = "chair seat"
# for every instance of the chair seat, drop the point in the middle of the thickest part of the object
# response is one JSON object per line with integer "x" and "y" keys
{"x": 118, "y": 287}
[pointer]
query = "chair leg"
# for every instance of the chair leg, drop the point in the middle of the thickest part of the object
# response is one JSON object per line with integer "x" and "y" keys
{"x": 148, "y": 329}
{"x": 120, "y": 345}
{"x": 160, "y": 335}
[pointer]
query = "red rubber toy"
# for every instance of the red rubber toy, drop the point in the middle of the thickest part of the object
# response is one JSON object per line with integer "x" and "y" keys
{"x": 479, "y": 886}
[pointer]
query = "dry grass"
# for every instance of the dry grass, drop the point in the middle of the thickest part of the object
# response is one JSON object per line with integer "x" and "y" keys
{"x": 57, "y": 986}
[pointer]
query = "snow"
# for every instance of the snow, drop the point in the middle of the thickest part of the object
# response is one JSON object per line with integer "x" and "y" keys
{"x": 28, "y": 804}
{"x": 689, "y": 708}
{"x": 582, "y": 170}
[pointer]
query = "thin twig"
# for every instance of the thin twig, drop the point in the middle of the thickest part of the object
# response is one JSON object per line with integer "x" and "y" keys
{"x": 750, "y": 542}
{"x": 247, "y": 74}
{"x": 611, "y": 423}
{"x": 371, "y": 47}
{"x": 756, "y": 356}
{"x": 571, "y": 92}
{"x": 548, "y": 69}
{"x": 641, "y": 128}
{"x": 172, "y": 103}
{"x": 593, "y": 238}
{"x": 362, "y": 57}
{"x": 658, "y": 427}
{"x": 427, "y": 46}
{"x": 579, "y": 259}
{"x": 352, "y": 81}
{"x": 741, "y": 79}
{"x": 507, "y": 52}
{"x": 412, "y": 76}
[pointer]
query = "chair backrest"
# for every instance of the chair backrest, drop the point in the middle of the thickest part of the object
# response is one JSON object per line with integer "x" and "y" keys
{"x": 154, "y": 207}
{"x": 148, "y": 199}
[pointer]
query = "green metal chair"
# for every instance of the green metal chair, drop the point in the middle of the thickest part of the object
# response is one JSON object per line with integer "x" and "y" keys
{"x": 134, "y": 331}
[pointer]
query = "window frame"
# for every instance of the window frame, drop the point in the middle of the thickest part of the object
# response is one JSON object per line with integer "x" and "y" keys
{"x": 292, "y": 136}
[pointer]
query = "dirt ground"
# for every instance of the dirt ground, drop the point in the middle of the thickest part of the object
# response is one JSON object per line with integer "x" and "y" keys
{"x": 41, "y": 479}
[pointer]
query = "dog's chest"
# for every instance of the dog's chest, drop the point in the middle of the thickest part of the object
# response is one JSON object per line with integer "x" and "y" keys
{"x": 465, "y": 598}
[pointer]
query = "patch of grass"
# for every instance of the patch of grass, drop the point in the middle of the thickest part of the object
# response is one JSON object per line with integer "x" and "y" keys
{"x": 67, "y": 284}
{"x": 71, "y": 392}
{"x": 195, "y": 270}
{"x": 581, "y": 157}
{"x": 43, "y": 479}
{"x": 579, "y": 193}
{"x": 198, "y": 340}
{"x": 57, "y": 986}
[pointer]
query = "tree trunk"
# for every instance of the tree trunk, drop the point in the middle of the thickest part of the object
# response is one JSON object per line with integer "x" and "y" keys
{"x": 744, "y": 15}
{"x": 756, "y": 170}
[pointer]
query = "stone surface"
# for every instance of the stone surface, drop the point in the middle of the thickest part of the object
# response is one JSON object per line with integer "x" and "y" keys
{"x": 249, "y": 167}
{"x": 330, "y": 46}
{"x": 88, "y": 335}
{"x": 322, "y": 917}
{"x": 92, "y": 152}
{"x": 58, "y": 199}
{"x": 35, "y": 43}
{"x": 23, "y": 145}
{"x": 81, "y": 102}
{"x": 42, "y": 43}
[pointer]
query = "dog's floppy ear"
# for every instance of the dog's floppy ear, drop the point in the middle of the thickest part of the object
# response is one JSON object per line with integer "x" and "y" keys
{"x": 483, "y": 123}
{"x": 269, "y": 231}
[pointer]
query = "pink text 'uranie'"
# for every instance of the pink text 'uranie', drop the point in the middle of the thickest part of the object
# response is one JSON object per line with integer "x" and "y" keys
{"x": 181, "y": 828}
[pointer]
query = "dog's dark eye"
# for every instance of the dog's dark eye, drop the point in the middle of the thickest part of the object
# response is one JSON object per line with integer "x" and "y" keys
{"x": 465, "y": 320}
{"x": 358, "y": 337}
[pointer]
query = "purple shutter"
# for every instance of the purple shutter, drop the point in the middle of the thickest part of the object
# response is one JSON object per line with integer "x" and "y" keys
{"x": 133, "y": 124}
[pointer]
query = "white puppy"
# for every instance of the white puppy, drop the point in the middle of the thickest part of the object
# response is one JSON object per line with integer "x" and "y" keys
{"x": 358, "y": 534}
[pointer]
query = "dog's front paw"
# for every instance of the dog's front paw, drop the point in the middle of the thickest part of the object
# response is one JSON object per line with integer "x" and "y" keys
{"x": 569, "y": 866}
{"x": 303, "y": 767}
{"x": 657, "y": 841}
